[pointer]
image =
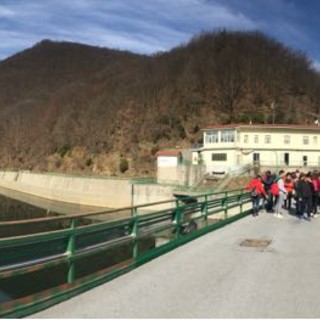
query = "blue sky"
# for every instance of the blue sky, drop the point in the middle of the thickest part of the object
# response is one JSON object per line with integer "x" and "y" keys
{"x": 149, "y": 26}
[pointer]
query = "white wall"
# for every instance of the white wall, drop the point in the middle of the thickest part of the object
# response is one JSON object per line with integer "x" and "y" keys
{"x": 112, "y": 193}
{"x": 219, "y": 165}
{"x": 241, "y": 152}
{"x": 277, "y": 158}
{"x": 143, "y": 194}
{"x": 167, "y": 161}
{"x": 277, "y": 140}
{"x": 90, "y": 191}
{"x": 181, "y": 174}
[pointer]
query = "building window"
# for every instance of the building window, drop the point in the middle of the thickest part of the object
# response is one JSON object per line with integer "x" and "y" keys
{"x": 286, "y": 139}
{"x": 246, "y": 138}
{"x": 256, "y": 158}
{"x": 256, "y": 139}
{"x": 286, "y": 158}
{"x": 305, "y": 161}
{"x": 305, "y": 140}
{"x": 315, "y": 140}
{"x": 219, "y": 157}
{"x": 267, "y": 138}
{"x": 227, "y": 136}
{"x": 212, "y": 137}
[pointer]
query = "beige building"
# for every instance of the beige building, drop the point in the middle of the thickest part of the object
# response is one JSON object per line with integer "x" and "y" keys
{"x": 229, "y": 147}
{"x": 175, "y": 167}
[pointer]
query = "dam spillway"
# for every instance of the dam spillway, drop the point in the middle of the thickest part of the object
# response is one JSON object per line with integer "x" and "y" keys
{"x": 95, "y": 191}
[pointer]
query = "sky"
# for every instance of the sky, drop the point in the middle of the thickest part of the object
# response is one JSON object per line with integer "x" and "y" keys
{"x": 150, "y": 26}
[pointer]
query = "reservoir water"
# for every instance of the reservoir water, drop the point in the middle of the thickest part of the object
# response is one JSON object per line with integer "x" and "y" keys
{"x": 19, "y": 206}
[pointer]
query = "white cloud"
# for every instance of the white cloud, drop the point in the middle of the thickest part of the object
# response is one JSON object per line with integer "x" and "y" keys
{"x": 154, "y": 25}
{"x": 143, "y": 26}
{"x": 15, "y": 42}
{"x": 316, "y": 65}
{"x": 137, "y": 25}
{"x": 6, "y": 12}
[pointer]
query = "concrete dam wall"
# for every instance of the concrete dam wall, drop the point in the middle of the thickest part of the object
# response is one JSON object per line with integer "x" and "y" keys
{"x": 90, "y": 191}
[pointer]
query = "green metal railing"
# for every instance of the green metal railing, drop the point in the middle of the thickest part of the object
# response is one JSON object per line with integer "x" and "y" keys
{"x": 86, "y": 250}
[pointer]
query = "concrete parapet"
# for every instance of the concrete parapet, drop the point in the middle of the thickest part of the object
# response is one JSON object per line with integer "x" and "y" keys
{"x": 88, "y": 191}
{"x": 181, "y": 175}
{"x": 144, "y": 193}
{"x": 9, "y": 175}
{"x": 112, "y": 193}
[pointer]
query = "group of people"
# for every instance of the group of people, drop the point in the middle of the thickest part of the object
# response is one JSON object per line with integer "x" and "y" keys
{"x": 279, "y": 192}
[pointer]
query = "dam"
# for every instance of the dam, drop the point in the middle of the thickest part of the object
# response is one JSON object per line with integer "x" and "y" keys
{"x": 62, "y": 253}
{"x": 96, "y": 191}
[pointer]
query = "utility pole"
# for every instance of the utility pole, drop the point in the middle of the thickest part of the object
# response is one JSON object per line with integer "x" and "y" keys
{"x": 272, "y": 108}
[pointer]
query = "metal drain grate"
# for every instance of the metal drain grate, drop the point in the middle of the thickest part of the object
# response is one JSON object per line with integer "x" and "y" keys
{"x": 255, "y": 243}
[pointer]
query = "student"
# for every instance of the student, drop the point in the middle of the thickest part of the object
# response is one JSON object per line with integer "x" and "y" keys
{"x": 304, "y": 188}
{"x": 257, "y": 191}
{"x": 298, "y": 194}
{"x": 316, "y": 190}
{"x": 274, "y": 191}
{"x": 267, "y": 181}
{"x": 289, "y": 186}
{"x": 282, "y": 194}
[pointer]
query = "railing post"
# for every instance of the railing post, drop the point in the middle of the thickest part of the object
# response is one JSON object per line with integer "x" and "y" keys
{"x": 241, "y": 201}
{"x": 70, "y": 251}
{"x": 205, "y": 210}
{"x": 177, "y": 219}
{"x": 226, "y": 205}
{"x": 134, "y": 233}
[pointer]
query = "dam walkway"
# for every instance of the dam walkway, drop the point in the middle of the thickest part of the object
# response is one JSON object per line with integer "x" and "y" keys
{"x": 257, "y": 267}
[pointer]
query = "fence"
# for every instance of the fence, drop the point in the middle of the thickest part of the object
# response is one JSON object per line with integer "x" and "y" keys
{"x": 52, "y": 259}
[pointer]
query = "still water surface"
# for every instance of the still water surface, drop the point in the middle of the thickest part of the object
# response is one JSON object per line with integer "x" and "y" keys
{"x": 15, "y": 205}
{"x": 19, "y": 206}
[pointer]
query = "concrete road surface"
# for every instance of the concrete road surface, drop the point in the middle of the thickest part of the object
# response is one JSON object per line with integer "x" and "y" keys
{"x": 215, "y": 277}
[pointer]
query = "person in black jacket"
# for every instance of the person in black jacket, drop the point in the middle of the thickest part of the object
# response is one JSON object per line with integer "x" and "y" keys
{"x": 267, "y": 181}
{"x": 304, "y": 194}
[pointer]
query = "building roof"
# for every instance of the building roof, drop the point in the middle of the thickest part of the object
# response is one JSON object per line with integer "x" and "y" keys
{"x": 168, "y": 153}
{"x": 259, "y": 126}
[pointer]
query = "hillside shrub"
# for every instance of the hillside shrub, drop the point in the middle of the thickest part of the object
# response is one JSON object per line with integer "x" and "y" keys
{"x": 64, "y": 149}
{"x": 124, "y": 165}
{"x": 89, "y": 162}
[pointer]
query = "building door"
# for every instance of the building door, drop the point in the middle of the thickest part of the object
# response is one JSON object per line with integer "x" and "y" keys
{"x": 305, "y": 160}
{"x": 256, "y": 158}
{"x": 286, "y": 159}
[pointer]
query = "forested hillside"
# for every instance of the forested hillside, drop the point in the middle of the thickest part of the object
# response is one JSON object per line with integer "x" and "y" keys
{"x": 76, "y": 108}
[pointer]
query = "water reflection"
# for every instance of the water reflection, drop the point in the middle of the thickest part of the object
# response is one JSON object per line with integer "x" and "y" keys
{"x": 11, "y": 210}
{"x": 4, "y": 297}
{"x": 15, "y": 205}
{"x": 20, "y": 206}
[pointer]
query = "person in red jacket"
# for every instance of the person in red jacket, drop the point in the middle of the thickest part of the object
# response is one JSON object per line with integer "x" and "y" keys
{"x": 288, "y": 185}
{"x": 257, "y": 192}
{"x": 316, "y": 191}
{"x": 274, "y": 190}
